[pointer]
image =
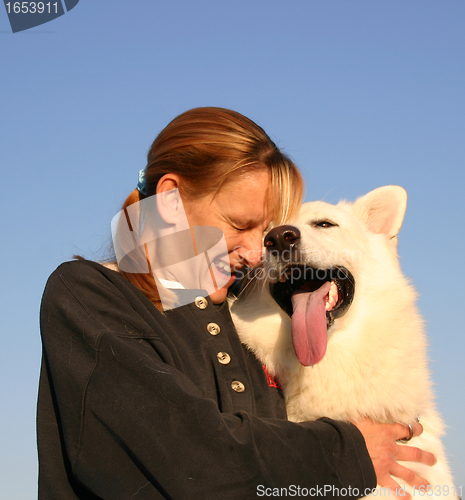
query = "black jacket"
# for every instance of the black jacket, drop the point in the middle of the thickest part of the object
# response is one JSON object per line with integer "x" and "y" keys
{"x": 137, "y": 404}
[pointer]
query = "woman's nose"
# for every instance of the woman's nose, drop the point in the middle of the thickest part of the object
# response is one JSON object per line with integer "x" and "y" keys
{"x": 252, "y": 250}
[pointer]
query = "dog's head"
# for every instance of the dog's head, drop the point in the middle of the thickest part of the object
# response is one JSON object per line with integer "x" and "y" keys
{"x": 316, "y": 264}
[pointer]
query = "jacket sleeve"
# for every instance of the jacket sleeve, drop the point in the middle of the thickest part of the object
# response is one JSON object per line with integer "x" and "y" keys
{"x": 131, "y": 425}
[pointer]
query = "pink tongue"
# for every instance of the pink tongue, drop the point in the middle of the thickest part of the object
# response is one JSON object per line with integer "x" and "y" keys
{"x": 309, "y": 334}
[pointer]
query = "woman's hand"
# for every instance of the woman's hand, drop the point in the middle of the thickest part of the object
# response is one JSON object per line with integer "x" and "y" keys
{"x": 385, "y": 452}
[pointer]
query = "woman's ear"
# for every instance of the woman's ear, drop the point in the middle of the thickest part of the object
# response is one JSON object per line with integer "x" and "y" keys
{"x": 169, "y": 202}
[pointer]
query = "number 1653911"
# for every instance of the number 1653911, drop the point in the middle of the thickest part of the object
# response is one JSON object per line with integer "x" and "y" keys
{"x": 32, "y": 7}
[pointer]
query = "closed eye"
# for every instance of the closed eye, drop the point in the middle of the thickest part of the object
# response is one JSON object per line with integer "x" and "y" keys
{"x": 238, "y": 226}
{"x": 324, "y": 223}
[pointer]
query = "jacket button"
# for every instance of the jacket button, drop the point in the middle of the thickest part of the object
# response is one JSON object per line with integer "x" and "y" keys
{"x": 237, "y": 386}
{"x": 213, "y": 329}
{"x": 224, "y": 358}
{"x": 201, "y": 302}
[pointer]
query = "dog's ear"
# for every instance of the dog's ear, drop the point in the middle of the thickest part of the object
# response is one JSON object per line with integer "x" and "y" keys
{"x": 383, "y": 209}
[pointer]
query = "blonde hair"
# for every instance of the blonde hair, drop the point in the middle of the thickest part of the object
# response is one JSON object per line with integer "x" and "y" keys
{"x": 208, "y": 147}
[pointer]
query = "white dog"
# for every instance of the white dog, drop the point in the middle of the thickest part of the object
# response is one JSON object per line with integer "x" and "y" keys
{"x": 355, "y": 346}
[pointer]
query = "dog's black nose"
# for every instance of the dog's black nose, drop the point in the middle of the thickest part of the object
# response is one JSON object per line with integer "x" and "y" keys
{"x": 282, "y": 238}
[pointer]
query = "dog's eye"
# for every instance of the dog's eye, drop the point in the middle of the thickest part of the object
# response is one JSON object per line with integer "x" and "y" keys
{"x": 324, "y": 223}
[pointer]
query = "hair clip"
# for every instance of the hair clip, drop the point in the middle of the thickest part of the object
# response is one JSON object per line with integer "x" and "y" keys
{"x": 141, "y": 185}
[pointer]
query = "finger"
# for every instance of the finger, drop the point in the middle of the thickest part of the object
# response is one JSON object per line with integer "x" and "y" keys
{"x": 401, "y": 431}
{"x": 412, "y": 454}
{"x": 408, "y": 476}
{"x": 417, "y": 429}
{"x": 394, "y": 487}
{"x": 407, "y": 432}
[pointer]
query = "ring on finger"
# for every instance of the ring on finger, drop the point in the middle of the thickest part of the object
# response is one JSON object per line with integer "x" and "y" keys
{"x": 410, "y": 436}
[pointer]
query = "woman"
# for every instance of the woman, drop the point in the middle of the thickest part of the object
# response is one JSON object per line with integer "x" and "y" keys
{"x": 138, "y": 402}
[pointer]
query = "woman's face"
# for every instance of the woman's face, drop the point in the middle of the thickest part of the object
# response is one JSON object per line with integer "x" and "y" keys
{"x": 241, "y": 210}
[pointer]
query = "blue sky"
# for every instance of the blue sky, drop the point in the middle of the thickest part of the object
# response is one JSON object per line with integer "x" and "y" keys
{"x": 360, "y": 93}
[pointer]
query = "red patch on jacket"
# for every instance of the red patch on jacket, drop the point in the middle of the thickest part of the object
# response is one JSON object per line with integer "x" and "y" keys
{"x": 271, "y": 381}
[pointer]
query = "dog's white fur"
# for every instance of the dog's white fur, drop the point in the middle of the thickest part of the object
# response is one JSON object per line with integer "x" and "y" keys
{"x": 376, "y": 360}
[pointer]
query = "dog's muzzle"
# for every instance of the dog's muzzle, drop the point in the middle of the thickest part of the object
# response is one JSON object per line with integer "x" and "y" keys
{"x": 282, "y": 243}
{"x": 294, "y": 275}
